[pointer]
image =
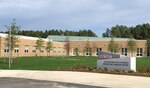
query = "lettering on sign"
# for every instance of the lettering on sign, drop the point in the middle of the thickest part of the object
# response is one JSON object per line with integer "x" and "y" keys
{"x": 106, "y": 55}
{"x": 115, "y": 63}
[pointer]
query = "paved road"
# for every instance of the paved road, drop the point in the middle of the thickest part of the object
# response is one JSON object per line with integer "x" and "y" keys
{"x": 65, "y": 79}
{"x": 7, "y": 82}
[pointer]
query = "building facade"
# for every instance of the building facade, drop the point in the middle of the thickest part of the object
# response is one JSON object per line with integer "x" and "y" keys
{"x": 69, "y": 45}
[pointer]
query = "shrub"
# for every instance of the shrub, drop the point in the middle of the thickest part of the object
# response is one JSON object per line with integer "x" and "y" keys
{"x": 148, "y": 69}
{"x": 80, "y": 67}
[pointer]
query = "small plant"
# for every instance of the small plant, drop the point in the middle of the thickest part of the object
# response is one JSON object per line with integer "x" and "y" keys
{"x": 148, "y": 69}
{"x": 80, "y": 67}
{"x": 131, "y": 71}
{"x": 142, "y": 69}
{"x": 117, "y": 70}
{"x": 105, "y": 69}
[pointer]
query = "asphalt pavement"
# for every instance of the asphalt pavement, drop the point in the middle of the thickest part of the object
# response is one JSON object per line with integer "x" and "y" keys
{"x": 8, "y": 82}
{"x": 68, "y": 79}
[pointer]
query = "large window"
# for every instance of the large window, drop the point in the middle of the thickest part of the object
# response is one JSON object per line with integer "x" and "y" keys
{"x": 124, "y": 51}
{"x": 88, "y": 51}
{"x": 63, "y": 50}
{"x": 59, "y": 49}
{"x": 75, "y": 51}
{"x": 97, "y": 50}
{"x": 34, "y": 49}
{"x": 16, "y": 49}
{"x": 54, "y": 50}
{"x": 41, "y": 50}
{"x": 26, "y": 50}
{"x": 6, "y": 49}
{"x": 139, "y": 52}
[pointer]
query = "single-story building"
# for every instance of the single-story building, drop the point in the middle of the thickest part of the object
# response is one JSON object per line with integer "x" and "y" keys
{"x": 69, "y": 45}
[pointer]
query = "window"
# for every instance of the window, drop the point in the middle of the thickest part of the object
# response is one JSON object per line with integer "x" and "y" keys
{"x": 88, "y": 51}
{"x": 26, "y": 49}
{"x": 124, "y": 51}
{"x": 34, "y": 49}
{"x": 139, "y": 52}
{"x": 75, "y": 51}
{"x": 16, "y": 50}
{"x": 6, "y": 49}
{"x": 97, "y": 50}
{"x": 54, "y": 50}
{"x": 59, "y": 49}
{"x": 41, "y": 50}
{"x": 63, "y": 50}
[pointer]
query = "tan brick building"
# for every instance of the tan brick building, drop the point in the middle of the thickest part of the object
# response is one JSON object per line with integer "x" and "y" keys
{"x": 82, "y": 46}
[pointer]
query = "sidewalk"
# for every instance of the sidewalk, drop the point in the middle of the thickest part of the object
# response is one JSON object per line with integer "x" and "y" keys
{"x": 84, "y": 78}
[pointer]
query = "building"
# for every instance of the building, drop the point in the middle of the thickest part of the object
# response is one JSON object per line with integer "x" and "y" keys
{"x": 69, "y": 45}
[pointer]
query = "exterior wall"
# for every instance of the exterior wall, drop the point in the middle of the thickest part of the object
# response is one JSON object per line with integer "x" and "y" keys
{"x": 59, "y": 47}
{"x": 0, "y": 47}
{"x": 30, "y": 44}
{"x": 104, "y": 46}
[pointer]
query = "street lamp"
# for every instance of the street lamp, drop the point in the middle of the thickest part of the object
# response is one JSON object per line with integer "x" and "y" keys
{"x": 9, "y": 35}
{"x": 62, "y": 46}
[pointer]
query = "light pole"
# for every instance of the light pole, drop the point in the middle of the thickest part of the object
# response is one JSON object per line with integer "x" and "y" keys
{"x": 9, "y": 46}
{"x": 63, "y": 46}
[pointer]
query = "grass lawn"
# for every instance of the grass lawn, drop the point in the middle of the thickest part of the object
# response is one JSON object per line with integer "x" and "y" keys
{"x": 143, "y": 62}
{"x": 53, "y": 63}
{"x": 48, "y": 63}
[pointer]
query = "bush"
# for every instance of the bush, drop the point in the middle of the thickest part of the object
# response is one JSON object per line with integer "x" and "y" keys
{"x": 148, "y": 69}
{"x": 81, "y": 67}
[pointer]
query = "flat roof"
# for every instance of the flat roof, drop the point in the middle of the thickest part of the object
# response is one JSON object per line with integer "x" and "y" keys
{"x": 82, "y": 38}
{"x": 23, "y": 37}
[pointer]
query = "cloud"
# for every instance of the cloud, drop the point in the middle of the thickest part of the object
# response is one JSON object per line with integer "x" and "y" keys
{"x": 74, "y": 15}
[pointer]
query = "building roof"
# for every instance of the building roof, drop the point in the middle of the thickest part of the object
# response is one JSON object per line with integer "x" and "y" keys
{"x": 23, "y": 37}
{"x": 82, "y": 38}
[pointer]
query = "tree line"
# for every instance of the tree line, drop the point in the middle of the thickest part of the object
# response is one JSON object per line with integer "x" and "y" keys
{"x": 141, "y": 31}
{"x": 44, "y": 34}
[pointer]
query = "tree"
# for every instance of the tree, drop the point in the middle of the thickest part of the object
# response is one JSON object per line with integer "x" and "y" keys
{"x": 67, "y": 45}
{"x": 87, "y": 49}
{"x": 49, "y": 46}
{"x": 94, "y": 48}
{"x": 131, "y": 45}
{"x": 39, "y": 45}
{"x": 113, "y": 46}
{"x": 140, "y": 31}
{"x": 107, "y": 33}
{"x": 148, "y": 46}
{"x": 12, "y": 38}
{"x": 46, "y": 33}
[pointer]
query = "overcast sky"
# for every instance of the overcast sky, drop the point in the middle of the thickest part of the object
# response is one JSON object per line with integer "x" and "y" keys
{"x": 96, "y": 15}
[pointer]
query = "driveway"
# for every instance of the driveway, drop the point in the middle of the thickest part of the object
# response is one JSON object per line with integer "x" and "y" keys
{"x": 68, "y": 79}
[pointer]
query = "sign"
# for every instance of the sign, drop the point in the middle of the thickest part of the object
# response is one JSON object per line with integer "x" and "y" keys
{"x": 105, "y": 55}
{"x": 115, "y": 61}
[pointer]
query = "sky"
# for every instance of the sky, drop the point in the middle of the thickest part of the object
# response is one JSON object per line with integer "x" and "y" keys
{"x": 75, "y": 15}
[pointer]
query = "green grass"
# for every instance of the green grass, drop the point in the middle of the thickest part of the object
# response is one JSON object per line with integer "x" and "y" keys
{"x": 48, "y": 63}
{"x": 142, "y": 62}
{"x": 54, "y": 63}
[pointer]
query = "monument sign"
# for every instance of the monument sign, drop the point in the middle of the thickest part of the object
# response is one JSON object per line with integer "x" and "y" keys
{"x": 116, "y": 61}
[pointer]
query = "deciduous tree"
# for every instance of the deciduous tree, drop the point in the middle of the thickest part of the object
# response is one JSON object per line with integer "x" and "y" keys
{"x": 113, "y": 46}
{"x": 49, "y": 47}
{"x": 39, "y": 45}
{"x": 12, "y": 38}
{"x": 131, "y": 45}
